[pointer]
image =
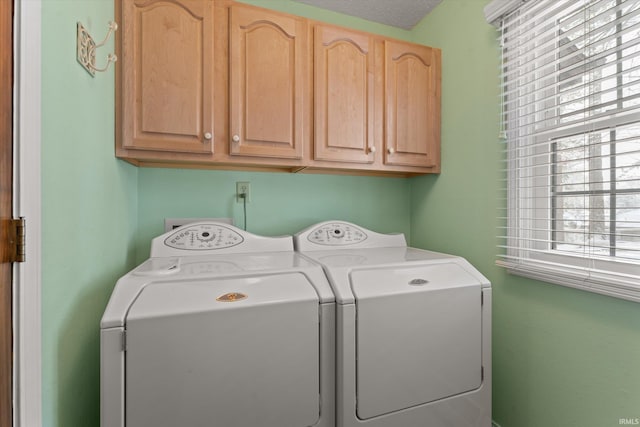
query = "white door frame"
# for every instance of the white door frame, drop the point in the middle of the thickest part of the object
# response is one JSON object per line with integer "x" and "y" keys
{"x": 27, "y": 203}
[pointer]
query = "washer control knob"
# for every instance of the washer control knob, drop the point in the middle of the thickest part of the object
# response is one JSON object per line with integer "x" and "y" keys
{"x": 208, "y": 136}
{"x": 338, "y": 233}
{"x": 235, "y": 138}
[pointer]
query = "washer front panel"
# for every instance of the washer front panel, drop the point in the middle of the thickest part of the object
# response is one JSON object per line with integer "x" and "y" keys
{"x": 204, "y": 237}
{"x": 234, "y": 352}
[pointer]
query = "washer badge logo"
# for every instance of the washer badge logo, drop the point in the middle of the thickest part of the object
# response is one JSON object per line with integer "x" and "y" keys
{"x": 232, "y": 297}
{"x": 418, "y": 282}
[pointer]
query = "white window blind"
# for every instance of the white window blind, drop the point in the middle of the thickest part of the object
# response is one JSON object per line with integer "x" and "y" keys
{"x": 571, "y": 127}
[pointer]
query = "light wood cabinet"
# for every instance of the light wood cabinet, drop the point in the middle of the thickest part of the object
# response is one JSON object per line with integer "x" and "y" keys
{"x": 412, "y": 114}
{"x": 344, "y": 95}
{"x": 268, "y": 84}
{"x": 225, "y": 85}
{"x": 166, "y": 76}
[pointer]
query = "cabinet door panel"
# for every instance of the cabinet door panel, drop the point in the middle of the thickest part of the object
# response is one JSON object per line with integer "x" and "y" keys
{"x": 343, "y": 95}
{"x": 267, "y": 83}
{"x": 269, "y": 95}
{"x": 167, "y": 75}
{"x": 412, "y": 105}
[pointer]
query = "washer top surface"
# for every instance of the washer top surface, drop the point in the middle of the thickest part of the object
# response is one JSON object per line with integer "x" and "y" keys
{"x": 205, "y": 250}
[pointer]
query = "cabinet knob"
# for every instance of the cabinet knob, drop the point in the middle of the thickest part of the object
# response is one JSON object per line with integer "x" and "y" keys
{"x": 372, "y": 149}
{"x": 208, "y": 136}
{"x": 391, "y": 150}
{"x": 235, "y": 138}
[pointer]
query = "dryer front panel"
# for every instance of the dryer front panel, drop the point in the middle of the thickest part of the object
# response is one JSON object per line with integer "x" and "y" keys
{"x": 224, "y": 352}
{"x": 418, "y": 336}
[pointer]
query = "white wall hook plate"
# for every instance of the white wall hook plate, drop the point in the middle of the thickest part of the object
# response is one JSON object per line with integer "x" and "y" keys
{"x": 86, "y": 49}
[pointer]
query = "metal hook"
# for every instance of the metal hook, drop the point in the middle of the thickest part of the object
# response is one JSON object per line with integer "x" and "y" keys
{"x": 86, "y": 52}
{"x": 112, "y": 27}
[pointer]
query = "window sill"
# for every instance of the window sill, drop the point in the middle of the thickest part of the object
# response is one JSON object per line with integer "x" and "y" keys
{"x": 618, "y": 280}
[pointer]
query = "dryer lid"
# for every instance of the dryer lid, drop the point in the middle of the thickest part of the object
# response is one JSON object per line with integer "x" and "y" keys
{"x": 387, "y": 281}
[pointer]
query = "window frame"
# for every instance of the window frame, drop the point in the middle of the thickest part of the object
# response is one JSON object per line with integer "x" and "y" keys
{"x": 531, "y": 247}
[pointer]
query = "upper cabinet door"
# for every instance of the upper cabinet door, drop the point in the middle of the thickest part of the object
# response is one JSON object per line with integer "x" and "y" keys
{"x": 344, "y": 79}
{"x": 167, "y": 75}
{"x": 412, "y": 116}
{"x": 267, "y": 93}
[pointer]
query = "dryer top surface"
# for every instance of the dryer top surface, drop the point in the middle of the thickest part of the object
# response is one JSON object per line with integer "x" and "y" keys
{"x": 344, "y": 248}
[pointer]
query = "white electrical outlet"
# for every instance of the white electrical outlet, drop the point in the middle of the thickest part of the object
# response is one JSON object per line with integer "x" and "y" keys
{"x": 172, "y": 223}
{"x": 243, "y": 187}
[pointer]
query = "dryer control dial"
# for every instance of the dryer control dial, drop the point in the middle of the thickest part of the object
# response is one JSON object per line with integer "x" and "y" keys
{"x": 337, "y": 234}
{"x": 203, "y": 237}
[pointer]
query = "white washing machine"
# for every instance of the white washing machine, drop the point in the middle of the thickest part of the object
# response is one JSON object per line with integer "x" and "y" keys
{"x": 219, "y": 328}
{"x": 413, "y": 330}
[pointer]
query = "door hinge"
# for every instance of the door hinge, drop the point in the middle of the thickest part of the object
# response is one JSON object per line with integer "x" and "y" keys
{"x": 17, "y": 239}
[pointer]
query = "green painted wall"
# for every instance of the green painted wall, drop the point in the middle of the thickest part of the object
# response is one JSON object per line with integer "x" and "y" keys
{"x": 323, "y": 15}
{"x": 281, "y": 203}
{"x": 89, "y": 212}
{"x": 561, "y": 357}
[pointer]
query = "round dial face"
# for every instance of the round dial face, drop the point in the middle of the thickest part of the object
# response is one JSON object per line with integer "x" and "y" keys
{"x": 204, "y": 237}
{"x": 336, "y": 234}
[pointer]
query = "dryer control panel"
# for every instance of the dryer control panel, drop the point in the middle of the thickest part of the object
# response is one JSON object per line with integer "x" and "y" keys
{"x": 203, "y": 237}
{"x": 337, "y": 233}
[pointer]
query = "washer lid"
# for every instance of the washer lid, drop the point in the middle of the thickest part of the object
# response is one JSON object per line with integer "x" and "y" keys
{"x": 419, "y": 336}
{"x": 169, "y": 298}
{"x": 231, "y": 352}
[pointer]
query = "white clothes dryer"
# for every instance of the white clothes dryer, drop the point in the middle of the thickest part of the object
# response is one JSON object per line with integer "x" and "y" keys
{"x": 413, "y": 330}
{"x": 219, "y": 328}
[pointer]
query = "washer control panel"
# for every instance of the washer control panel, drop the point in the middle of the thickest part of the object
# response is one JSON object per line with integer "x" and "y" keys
{"x": 337, "y": 234}
{"x": 203, "y": 237}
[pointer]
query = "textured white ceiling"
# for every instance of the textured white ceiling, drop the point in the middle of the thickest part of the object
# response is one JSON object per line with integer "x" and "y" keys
{"x": 397, "y": 13}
